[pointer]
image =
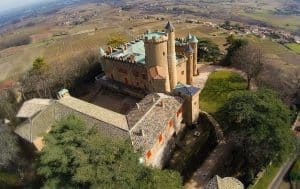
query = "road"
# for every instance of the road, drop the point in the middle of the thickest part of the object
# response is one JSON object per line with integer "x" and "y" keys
{"x": 281, "y": 173}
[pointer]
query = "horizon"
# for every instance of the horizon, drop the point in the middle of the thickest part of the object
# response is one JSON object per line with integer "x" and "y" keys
{"x": 9, "y": 5}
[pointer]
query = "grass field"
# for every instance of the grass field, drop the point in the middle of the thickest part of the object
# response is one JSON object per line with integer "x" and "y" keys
{"x": 219, "y": 87}
{"x": 290, "y": 22}
{"x": 294, "y": 47}
{"x": 267, "y": 177}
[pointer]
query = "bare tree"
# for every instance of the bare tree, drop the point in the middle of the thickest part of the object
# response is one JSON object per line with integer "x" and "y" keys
{"x": 249, "y": 59}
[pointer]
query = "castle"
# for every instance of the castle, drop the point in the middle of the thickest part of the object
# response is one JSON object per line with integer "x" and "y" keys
{"x": 157, "y": 62}
{"x": 154, "y": 62}
{"x": 156, "y": 67}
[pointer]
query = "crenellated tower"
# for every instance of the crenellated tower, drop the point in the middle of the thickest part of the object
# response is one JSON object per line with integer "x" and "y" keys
{"x": 189, "y": 66}
{"x": 155, "y": 51}
{"x": 171, "y": 55}
{"x": 193, "y": 41}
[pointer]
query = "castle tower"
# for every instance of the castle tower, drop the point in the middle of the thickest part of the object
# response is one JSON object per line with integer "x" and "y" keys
{"x": 189, "y": 66}
{"x": 172, "y": 62}
{"x": 194, "y": 43}
{"x": 155, "y": 51}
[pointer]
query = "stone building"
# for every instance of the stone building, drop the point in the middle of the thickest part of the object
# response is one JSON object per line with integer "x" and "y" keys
{"x": 154, "y": 62}
{"x": 156, "y": 67}
{"x": 152, "y": 125}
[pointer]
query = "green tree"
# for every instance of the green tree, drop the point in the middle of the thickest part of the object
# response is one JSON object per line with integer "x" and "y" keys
{"x": 259, "y": 124}
{"x": 234, "y": 45}
{"x": 9, "y": 149}
{"x": 208, "y": 51}
{"x": 77, "y": 157}
{"x": 39, "y": 64}
{"x": 115, "y": 41}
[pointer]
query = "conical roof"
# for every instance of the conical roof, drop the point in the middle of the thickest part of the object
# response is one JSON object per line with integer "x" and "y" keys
{"x": 189, "y": 37}
{"x": 189, "y": 49}
{"x": 169, "y": 27}
{"x": 194, "y": 39}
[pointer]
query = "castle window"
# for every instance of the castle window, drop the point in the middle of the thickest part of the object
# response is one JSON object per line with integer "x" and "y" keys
{"x": 160, "y": 138}
{"x": 137, "y": 83}
{"x": 164, "y": 54}
{"x": 148, "y": 154}
{"x": 182, "y": 72}
{"x": 112, "y": 76}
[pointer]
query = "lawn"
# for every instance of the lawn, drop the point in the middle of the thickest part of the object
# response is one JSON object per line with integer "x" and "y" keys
{"x": 219, "y": 87}
{"x": 294, "y": 47}
{"x": 267, "y": 177}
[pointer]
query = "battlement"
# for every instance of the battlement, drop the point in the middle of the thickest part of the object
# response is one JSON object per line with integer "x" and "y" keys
{"x": 121, "y": 59}
{"x": 155, "y": 39}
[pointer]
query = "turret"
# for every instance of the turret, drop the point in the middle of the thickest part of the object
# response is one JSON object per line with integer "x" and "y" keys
{"x": 155, "y": 51}
{"x": 194, "y": 44}
{"x": 172, "y": 62}
{"x": 189, "y": 66}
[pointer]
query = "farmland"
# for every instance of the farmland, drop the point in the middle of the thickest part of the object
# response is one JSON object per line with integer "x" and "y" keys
{"x": 294, "y": 47}
{"x": 59, "y": 36}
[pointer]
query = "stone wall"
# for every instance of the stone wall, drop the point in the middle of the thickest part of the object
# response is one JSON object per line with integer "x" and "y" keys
{"x": 181, "y": 71}
{"x": 161, "y": 150}
{"x": 133, "y": 74}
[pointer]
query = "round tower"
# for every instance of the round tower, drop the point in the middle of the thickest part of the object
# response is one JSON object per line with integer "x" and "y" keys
{"x": 155, "y": 55}
{"x": 194, "y": 43}
{"x": 172, "y": 62}
{"x": 189, "y": 66}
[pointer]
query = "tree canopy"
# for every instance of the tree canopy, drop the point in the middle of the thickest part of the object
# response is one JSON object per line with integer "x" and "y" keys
{"x": 234, "y": 45}
{"x": 115, "y": 41}
{"x": 259, "y": 123}
{"x": 77, "y": 157}
{"x": 9, "y": 149}
{"x": 208, "y": 51}
{"x": 250, "y": 60}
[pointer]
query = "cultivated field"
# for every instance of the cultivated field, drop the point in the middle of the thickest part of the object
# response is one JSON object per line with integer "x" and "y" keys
{"x": 55, "y": 39}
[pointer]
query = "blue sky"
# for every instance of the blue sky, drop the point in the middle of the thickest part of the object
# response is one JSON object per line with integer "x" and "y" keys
{"x": 10, "y": 4}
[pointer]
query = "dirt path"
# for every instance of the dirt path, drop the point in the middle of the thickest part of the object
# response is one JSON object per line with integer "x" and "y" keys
{"x": 210, "y": 167}
{"x": 206, "y": 69}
